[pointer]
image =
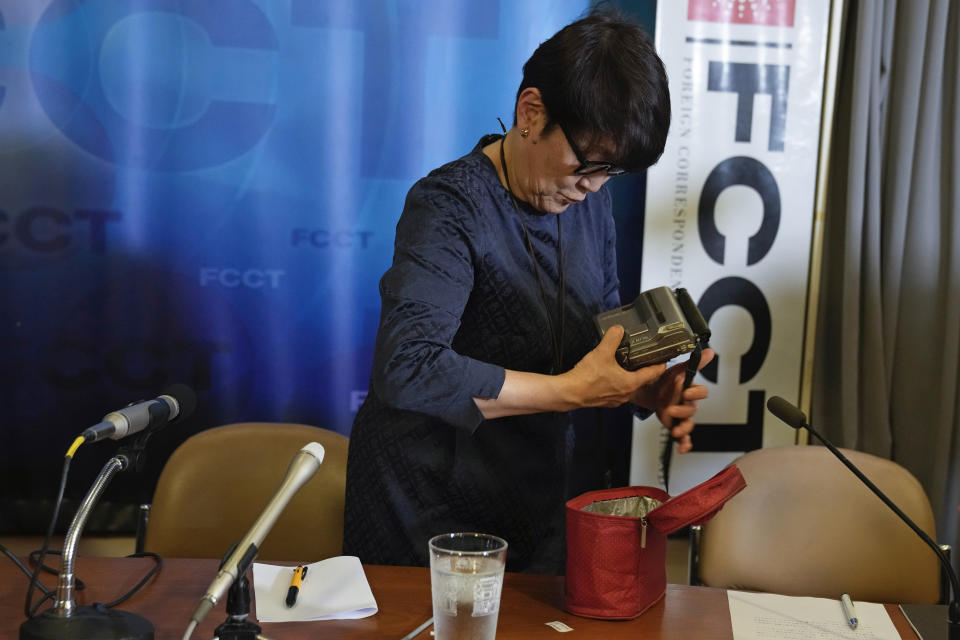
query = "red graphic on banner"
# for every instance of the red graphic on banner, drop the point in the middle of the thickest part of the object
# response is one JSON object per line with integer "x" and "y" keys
{"x": 772, "y": 13}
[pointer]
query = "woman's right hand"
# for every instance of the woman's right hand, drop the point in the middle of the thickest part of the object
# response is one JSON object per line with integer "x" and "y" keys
{"x": 598, "y": 380}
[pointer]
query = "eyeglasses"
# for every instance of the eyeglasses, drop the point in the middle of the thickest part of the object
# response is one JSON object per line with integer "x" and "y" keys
{"x": 590, "y": 167}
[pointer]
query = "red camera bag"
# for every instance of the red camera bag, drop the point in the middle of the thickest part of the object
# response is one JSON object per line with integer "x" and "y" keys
{"x": 616, "y": 543}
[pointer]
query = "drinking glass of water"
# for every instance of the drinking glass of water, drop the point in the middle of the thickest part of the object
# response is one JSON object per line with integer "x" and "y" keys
{"x": 466, "y": 577}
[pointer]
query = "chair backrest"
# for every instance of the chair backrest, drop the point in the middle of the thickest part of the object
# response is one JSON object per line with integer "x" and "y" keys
{"x": 805, "y": 525}
{"x": 216, "y": 483}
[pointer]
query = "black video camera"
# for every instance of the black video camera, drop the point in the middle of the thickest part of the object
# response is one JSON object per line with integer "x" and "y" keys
{"x": 660, "y": 325}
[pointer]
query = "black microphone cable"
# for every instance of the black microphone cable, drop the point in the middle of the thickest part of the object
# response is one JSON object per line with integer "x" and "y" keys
{"x": 13, "y": 558}
{"x": 80, "y": 585}
{"x": 38, "y": 556}
{"x": 666, "y": 453}
{"x": 28, "y": 609}
{"x": 32, "y": 558}
{"x": 143, "y": 581}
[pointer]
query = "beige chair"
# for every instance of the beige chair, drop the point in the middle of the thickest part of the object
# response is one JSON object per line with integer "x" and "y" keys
{"x": 805, "y": 525}
{"x": 216, "y": 483}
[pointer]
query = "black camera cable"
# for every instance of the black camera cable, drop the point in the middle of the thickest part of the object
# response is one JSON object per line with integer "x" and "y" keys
{"x": 693, "y": 364}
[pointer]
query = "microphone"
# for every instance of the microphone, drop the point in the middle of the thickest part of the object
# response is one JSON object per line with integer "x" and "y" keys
{"x": 795, "y": 418}
{"x": 301, "y": 469}
{"x": 177, "y": 401}
{"x": 66, "y": 619}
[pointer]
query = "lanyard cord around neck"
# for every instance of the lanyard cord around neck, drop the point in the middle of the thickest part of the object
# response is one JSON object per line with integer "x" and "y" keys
{"x": 556, "y": 338}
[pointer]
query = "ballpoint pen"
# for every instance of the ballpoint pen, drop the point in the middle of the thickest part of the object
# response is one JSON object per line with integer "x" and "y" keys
{"x": 849, "y": 611}
{"x": 416, "y": 632}
{"x": 298, "y": 575}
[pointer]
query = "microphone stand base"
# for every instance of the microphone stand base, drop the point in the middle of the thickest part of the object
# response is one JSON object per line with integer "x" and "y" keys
{"x": 236, "y": 626}
{"x": 87, "y": 623}
{"x": 238, "y": 630}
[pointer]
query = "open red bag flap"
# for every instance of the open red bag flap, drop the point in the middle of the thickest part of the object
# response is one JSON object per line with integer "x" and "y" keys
{"x": 577, "y": 504}
{"x": 700, "y": 503}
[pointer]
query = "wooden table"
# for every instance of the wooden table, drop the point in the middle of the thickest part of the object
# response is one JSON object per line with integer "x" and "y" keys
{"x": 403, "y": 597}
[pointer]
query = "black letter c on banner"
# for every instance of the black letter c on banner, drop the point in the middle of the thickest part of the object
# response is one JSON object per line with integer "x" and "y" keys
{"x": 749, "y": 172}
{"x": 742, "y": 293}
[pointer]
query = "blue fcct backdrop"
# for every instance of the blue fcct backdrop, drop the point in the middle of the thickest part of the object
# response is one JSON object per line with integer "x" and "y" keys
{"x": 206, "y": 192}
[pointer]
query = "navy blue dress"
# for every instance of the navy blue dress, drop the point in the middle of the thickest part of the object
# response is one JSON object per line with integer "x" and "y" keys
{"x": 461, "y": 303}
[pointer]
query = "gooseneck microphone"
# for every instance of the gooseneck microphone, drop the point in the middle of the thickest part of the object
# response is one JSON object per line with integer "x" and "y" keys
{"x": 795, "y": 418}
{"x": 66, "y": 619}
{"x": 177, "y": 401}
{"x": 301, "y": 469}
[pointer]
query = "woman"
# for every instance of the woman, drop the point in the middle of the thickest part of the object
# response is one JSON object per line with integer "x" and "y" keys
{"x": 502, "y": 259}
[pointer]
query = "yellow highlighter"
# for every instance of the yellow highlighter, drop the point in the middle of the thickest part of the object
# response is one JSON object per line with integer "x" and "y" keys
{"x": 298, "y": 575}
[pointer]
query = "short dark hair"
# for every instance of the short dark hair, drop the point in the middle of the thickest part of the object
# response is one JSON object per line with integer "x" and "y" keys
{"x": 601, "y": 77}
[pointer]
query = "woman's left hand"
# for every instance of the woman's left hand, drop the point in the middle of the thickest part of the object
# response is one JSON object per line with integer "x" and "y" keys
{"x": 663, "y": 396}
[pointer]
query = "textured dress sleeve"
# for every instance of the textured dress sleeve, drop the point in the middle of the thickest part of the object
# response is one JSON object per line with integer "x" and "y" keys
{"x": 423, "y": 296}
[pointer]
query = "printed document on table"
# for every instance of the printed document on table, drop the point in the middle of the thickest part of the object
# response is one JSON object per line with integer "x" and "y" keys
{"x": 335, "y": 588}
{"x": 763, "y": 616}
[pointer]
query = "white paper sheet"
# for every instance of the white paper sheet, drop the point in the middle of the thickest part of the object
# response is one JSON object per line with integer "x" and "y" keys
{"x": 335, "y": 588}
{"x": 767, "y": 616}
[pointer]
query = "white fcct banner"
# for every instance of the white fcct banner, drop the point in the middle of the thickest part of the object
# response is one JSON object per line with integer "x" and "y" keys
{"x": 729, "y": 211}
